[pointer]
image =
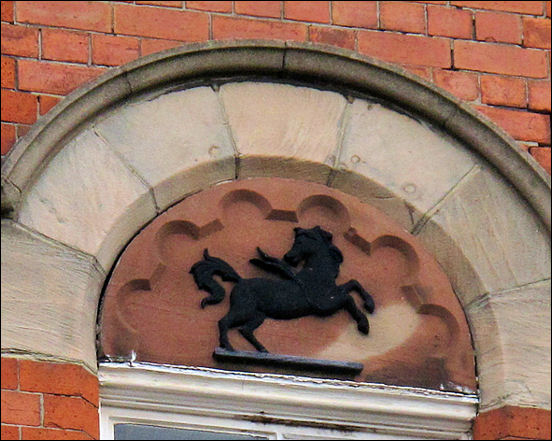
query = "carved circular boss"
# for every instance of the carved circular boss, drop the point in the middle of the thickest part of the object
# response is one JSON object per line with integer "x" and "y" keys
{"x": 281, "y": 276}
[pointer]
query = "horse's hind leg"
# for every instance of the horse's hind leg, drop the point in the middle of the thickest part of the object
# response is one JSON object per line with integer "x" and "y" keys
{"x": 362, "y": 321}
{"x": 224, "y": 325}
{"x": 354, "y": 285}
{"x": 247, "y": 330}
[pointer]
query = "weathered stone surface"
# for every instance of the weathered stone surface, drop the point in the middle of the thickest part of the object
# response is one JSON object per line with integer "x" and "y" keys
{"x": 234, "y": 58}
{"x": 178, "y": 142}
{"x": 340, "y": 66}
{"x": 511, "y": 331}
{"x": 49, "y": 297}
{"x": 486, "y": 238}
{"x": 372, "y": 193}
{"x": 201, "y": 60}
{"x": 516, "y": 166}
{"x": 297, "y": 124}
{"x": 88, "y": 199}
{"x": 418, "y": 332}
{"x": 43, "y": 141}
{"x": 336, "y": 70}
{"x": 383, "y": 146}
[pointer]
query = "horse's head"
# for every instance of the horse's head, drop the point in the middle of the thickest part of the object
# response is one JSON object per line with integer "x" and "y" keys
{"x": 311, "y": 241}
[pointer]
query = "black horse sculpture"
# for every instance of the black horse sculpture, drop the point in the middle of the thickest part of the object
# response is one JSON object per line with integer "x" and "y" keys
{"x": 311, "y": 290}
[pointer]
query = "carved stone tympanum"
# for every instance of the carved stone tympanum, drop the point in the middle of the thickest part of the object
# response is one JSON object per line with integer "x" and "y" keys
{"x": 152, "y": 304}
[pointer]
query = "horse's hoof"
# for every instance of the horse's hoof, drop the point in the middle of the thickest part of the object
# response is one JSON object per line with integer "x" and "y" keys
{"x": 364, "y": 328}
{"x": 369, "y": 307}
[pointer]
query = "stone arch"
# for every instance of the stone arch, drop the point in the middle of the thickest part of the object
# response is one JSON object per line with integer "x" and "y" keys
{"x": 475, "y": 220}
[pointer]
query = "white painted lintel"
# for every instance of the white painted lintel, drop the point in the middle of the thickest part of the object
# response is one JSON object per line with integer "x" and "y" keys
{"x": 295, "y": 401}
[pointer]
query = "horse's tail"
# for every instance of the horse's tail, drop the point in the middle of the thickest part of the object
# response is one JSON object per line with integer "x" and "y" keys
{"x": 203, "y": 272}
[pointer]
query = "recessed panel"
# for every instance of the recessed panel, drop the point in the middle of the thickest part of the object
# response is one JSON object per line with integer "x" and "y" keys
{"x": 326, "y": 285}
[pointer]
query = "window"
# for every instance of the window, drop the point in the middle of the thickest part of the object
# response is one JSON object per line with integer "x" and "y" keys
{"x": 161, "y": 401}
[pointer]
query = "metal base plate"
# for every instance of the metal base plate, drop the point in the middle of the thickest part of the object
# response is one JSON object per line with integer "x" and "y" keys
{"x": 289, "y": 361}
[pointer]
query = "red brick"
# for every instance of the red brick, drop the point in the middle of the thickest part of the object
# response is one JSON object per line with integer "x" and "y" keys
{"x": 169, "y": 4}
{"x": 92, "y": 16}
{"x": 9, "y": 366}
{"x": 8, "y": 139}
{"x": 434, "y": 2}
{"x": 536, "y": 32}
{"x": 498, "y": 27}
{"x": 523, "y": 126}
{"x": 356, "y": 14}
{"x": 20, "y": 408}
{"x": 213, "y": 6}
{"x": 161, "y": 23}
{"x": 503, "y": 91}
{"x": 402, "y": 16}
{"x": 259, "y": 9}
{"x": 58, "y": 378}
{"x": 405, "y": 49}
{"x": 336, "y": 37}
{"x": 449, "y": 22}
{"x": 18, "y": 107}
{"x": 462, "y": 84}
{"x": 317, "y": 12}
{"x": 524, "y": 7}
{"x": 114, "y": 50}
{"x": 45, "y": 434}
{"x": 8, "y": 72}
{"x": 19, "y": 40}
{"x": 45, "y": 103}
{"x": 7, "y": 13}
{"x": 150, "y": 46}
{"x": 65, "y": 45}
{"x": 229, "y": 27}
{"x": 542, "y": 155}
{"x": 70, "y": 413}
{"x": 502, "y": 59}
{"x": 424, "y": 72}
{"x": 10, "y": 432}
{"x": 57, "y": 79}
{"x": 548, "y": 3}
{"x": 22, "y": 130}
{"x": 517, "y": 438}
{"x": 539, "y": 95}
{"x": 528, "y": 423}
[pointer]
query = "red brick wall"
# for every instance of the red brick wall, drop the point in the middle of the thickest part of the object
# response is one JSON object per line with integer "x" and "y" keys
{"x": 493, "y": 54}
{"x": 48, "y": 401}
{"x": 513, "y": 423}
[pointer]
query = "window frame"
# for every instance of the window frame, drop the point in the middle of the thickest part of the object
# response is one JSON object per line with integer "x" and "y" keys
{"x": 288, "y": 407}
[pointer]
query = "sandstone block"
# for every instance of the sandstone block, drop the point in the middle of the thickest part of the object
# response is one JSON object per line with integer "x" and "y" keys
{"x": 382, "y": 146}
{"x": 177, "y": 142}
{"x": 298, "y": 125}
{"x": 49, "y": 297}
{"x": 481, "y": 235}
{"x": 88, "y": 199}
{"x": 513, "y": 363}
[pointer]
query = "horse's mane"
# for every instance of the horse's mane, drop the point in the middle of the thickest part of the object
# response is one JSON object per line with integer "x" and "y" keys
{"x": 336, "y": 254}
{"x": 319, "y": 233}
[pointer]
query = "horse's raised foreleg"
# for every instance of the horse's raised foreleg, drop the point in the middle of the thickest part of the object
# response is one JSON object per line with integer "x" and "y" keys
{"x": 357, "y": 314}
{"x": 247, "y": 331}
{"x": 354, "y": 285}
